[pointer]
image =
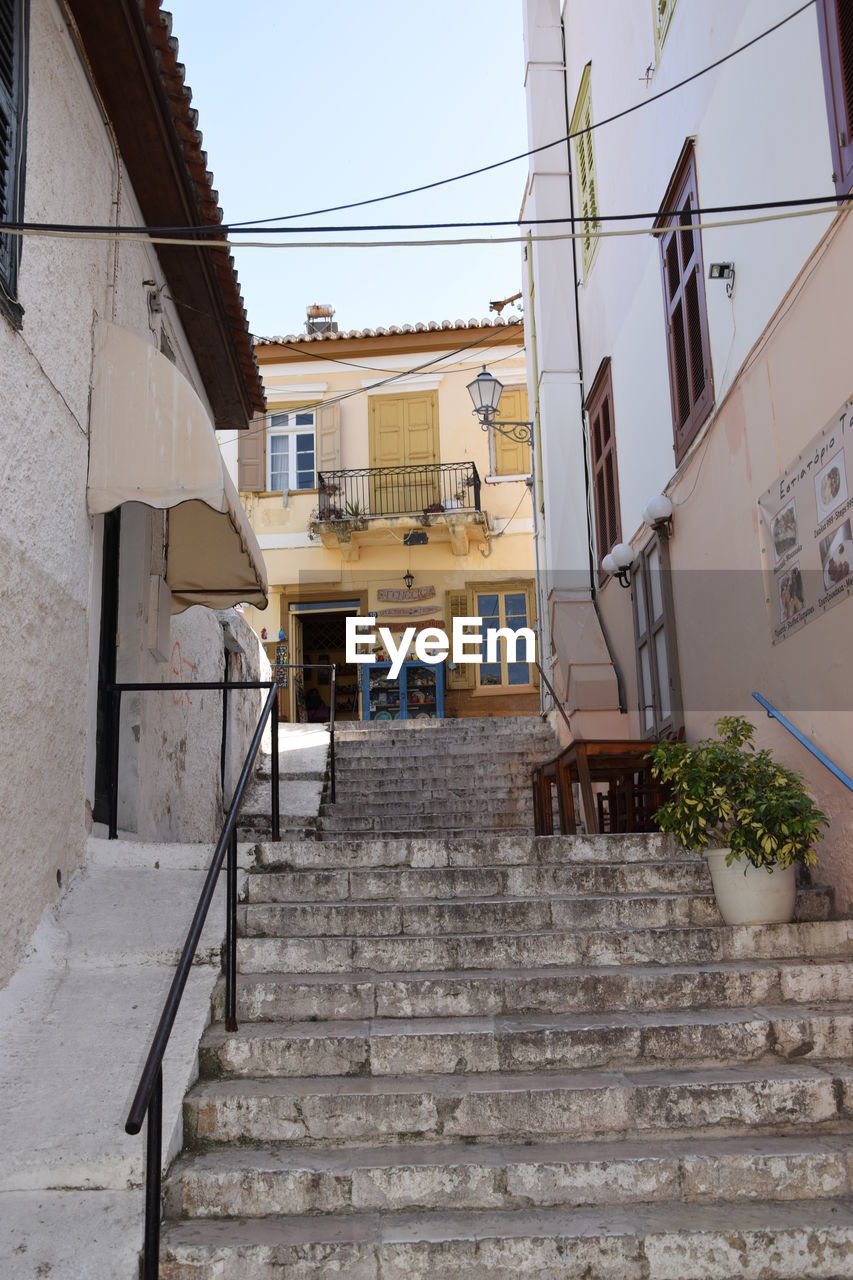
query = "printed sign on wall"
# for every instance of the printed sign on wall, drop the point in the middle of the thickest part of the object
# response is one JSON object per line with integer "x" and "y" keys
{"x": 806, "y": 534}
{"x": 403, "y": 593}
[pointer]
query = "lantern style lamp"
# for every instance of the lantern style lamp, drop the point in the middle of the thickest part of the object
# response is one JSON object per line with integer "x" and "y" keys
{"x": 485, "y": 392}
{"x": 408, "y": 578}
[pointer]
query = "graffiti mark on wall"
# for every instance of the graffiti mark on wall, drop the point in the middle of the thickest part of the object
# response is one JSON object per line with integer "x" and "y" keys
{"x": 181, "y": 669}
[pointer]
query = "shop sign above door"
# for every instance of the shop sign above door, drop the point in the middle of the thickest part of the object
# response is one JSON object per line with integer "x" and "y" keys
{"x": 403, "y": 594}
{"x": 805, "y": 526}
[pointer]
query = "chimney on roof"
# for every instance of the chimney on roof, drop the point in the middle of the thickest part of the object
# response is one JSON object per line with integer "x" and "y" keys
{"x": 320, "y": 318}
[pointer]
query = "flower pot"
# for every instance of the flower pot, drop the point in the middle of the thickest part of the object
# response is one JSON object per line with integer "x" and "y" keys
{"x": 757, "y": 897}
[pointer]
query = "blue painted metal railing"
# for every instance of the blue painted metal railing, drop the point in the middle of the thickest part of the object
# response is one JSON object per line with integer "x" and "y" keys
{"x": 833, "y": 768}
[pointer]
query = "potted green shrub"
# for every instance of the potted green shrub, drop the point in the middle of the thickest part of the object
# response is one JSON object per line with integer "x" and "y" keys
{"x": 752, "y": 817}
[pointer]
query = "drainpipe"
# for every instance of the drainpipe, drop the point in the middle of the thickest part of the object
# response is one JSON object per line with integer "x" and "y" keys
{"x": 593, "y": 587}
{"x": 536, "y": 483}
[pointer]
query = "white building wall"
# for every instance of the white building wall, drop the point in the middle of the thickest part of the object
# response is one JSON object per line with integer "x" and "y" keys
{"x": 761, "y": 131}
{"x": 50, "y": 549}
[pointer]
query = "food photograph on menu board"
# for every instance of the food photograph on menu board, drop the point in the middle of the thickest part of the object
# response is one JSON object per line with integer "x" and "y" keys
{"x": 831, "y": 486}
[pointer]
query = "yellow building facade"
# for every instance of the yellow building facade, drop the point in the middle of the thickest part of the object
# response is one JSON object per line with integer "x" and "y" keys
{"x": 373, "y": 490}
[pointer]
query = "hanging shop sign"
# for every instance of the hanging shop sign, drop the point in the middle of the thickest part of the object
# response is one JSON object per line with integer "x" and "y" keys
{"x": 414, "y": 611}
{"x": 806, "y": 533}
{"x": 405, "y": 594}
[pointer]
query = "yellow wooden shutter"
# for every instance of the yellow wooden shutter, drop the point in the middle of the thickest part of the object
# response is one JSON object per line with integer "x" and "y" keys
{"x": 251, "y": 459}
{"x": 511, "y": 457}
{"x": 329, "y": 437}
{"x": 457, "y": 606}
{"x": 585, "y": 168}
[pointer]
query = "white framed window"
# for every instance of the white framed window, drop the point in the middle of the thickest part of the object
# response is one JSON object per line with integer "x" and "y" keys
{"x": 501, "y": 608}
{"x": 290, "y": 451}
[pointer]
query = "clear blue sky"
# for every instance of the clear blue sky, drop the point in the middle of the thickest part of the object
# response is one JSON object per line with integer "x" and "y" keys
{"x": 313, "y": 104}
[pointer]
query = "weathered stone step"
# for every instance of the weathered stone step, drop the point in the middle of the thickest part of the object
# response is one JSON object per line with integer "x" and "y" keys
{"x": 588, "y": 947}
{"x": 245, "y": 1182}
{"x": 719, "y": 984}
{"x": 567, "y": 1042}
{"x": 465, "y": 851}
{"x": 440, "y": 823}
{"x": 496, "y": 915}
{"x": 674, "y": 876}
{"x": 761, "y": 1241}
{"x": 404, "y": 755}
{"x": 346, "y": 1110}
{"x": 414, "y": 805}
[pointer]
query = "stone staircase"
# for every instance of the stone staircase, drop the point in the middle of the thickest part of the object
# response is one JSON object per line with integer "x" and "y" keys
{"x": 490, "y": 1055}
{"x": 441, "y": 776}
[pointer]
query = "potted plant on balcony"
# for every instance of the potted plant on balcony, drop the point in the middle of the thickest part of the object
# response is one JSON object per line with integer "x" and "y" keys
{"x": 752, "y": 817}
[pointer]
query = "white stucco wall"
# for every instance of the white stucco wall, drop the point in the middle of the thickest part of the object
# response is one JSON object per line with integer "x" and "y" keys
{"x": 49, "y": 547}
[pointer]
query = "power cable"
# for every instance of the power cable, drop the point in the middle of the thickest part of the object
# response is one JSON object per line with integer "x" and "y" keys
{"x": 523, "y": 155}
{"x": 181, "y": 235}
{"x": 819, "y": 205}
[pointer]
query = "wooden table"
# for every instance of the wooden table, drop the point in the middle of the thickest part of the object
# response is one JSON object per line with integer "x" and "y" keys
{"x": 623, "y": 764}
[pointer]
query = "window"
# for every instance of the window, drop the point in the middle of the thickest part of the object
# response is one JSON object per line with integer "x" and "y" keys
{"x": 502, "y": 609}
{"x": 605, "y": 473}
{"x": 290, "y": 451}
{"x": 509, "y": 457}
{"x": 13, "y": 64}
{"x": 585, "y": 169}
{"x": 688, "y": 346}
{"x": 835, "y": 26}
{"x": 658, "y": 678}
{"x": 662, "y": 11}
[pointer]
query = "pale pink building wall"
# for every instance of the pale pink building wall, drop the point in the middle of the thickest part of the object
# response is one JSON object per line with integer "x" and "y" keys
{"x": 794, "y": 380}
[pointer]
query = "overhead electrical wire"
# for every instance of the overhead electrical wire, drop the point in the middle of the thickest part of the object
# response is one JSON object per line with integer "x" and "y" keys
{"x": 826, "y": 205}
{"x": 546, "y": 146}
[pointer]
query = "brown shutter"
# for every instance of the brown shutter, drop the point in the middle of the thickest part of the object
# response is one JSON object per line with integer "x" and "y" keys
{"x": 835, "y": 29}
{"x": 462, "y": 676}
{"x": 251, "y": 459}
{"x": 688, "y": 343}
{"x": 605, "y": 470}
{"x": 329, "y": 437}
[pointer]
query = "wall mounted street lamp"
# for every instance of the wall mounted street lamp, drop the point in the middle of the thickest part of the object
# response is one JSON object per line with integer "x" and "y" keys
{"x": 485, "y": 392}
{"x": 618, "y": 562}
{"x": 657, "y": 514}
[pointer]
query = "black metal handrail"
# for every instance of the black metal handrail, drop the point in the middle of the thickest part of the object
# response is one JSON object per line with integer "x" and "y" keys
{"x": 557, "y": 703}
{"x": 148, "y": 1099}
{"x": 429, "y": 488}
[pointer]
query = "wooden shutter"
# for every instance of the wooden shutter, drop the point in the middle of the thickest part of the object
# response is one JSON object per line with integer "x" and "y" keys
{"x": 458, "y": 606}
{"x": 329, "y": 437}
{"x": 605, "y": 471}
{"x": 11, "y": 193}
{"x": 585, "y": 168}
{"x": 251, "y": 458}
{"x": 835, "y": 28}
{"x": 688, "y": 344}
{"x": 511, "y": 457}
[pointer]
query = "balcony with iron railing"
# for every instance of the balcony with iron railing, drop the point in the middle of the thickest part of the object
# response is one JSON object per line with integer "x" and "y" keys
{"x": 443, "y": 499}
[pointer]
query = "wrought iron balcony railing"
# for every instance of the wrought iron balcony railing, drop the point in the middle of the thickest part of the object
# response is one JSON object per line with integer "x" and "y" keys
{"x": 431, "y": 488}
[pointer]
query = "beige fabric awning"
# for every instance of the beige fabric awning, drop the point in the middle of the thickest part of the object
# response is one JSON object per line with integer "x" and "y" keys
{"x": 151, "y": 441}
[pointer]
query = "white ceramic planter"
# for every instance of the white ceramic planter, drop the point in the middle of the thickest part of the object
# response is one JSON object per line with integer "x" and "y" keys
{"x": 758, "y": 897}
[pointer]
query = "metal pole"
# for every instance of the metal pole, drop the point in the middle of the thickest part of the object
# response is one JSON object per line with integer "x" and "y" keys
{"x": 153, "y": 1164}
{"x": 115, "y": 725}
{"x": 276, "y": 822}
{"x": 332, "y": 737}
{"x": 231, "y": 934}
